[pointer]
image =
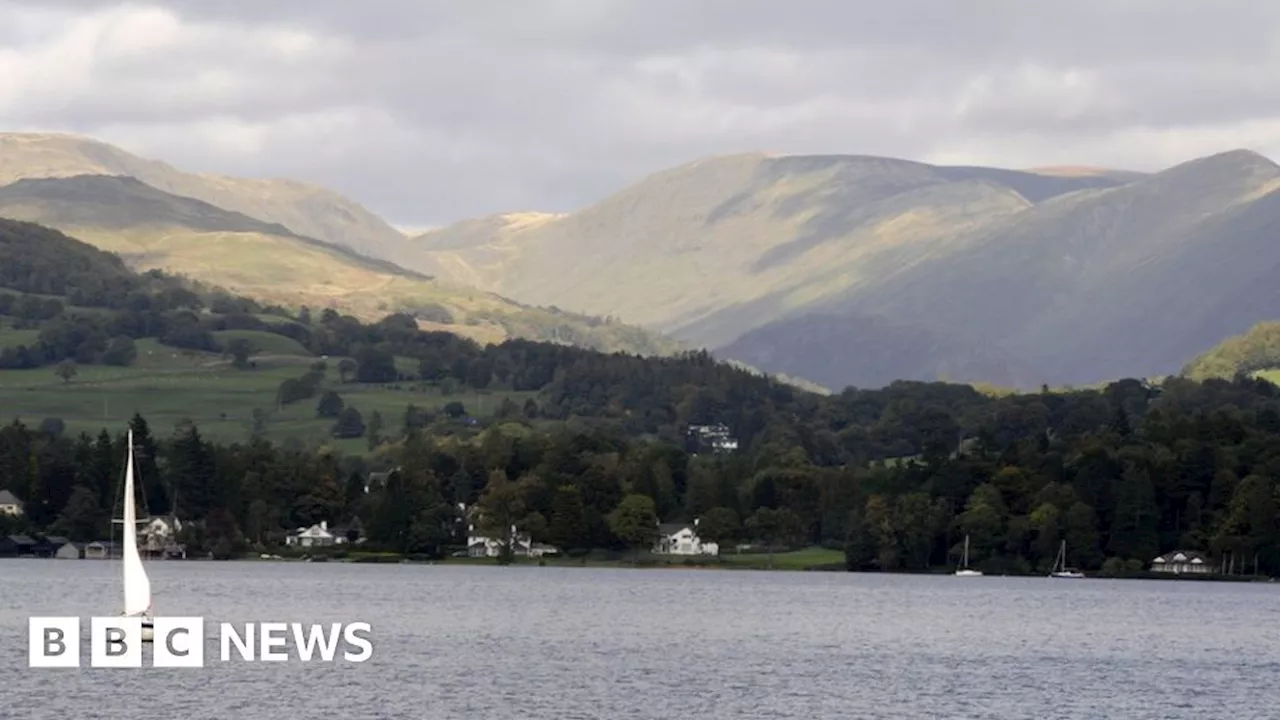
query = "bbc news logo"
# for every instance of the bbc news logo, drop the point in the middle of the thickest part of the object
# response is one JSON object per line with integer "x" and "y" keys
{"x": 116, "y": 642}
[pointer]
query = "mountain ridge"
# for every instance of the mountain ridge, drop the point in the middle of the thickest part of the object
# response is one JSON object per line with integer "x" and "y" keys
{"x": 718, "y": 251}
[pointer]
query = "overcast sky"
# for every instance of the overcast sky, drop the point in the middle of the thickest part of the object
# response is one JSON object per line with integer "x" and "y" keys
{"x": 430, "y": 112}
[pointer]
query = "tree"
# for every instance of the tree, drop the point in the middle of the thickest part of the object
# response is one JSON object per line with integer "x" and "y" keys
{"x": 1134, "y": 524}
{"x": 719, "y": 525}
{"x": 375, "y": 366}
{"x": 121, "y": 351}
{"x": 330, "y": 405}
{"x": 66, "y": 370}
{"x": 258, "y": 423}
{"x": 635, "y": 522}
{"x": 239, "y": 349}
{"x": 567, "y": 527}
{"x": 773, "y": 527}
{"x": 346, "y": 369}
{"x": 350, "y": 424}
{"x": 81, "y": 518}
{"x": 53, "y": 427}
{"x": 353, "y": 494}
{"x": 500, "y": 508}
{"x": 374, "y": 430}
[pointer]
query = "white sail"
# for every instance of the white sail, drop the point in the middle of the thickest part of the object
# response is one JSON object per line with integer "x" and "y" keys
{"x": 137, "y": 587}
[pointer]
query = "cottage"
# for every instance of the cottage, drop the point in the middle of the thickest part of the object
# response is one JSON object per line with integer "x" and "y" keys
{"x": 10, "y": 504}
{"x": 101, "y": 550}
{"x": 682, "y": 539}
{"x": 317, "y": 535}
{"x": 69, "y": 551}
{"x": 521, "y": 546}
{"x": 1182, "y": 561}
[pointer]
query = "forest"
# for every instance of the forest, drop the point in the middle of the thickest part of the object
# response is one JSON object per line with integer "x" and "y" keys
{"x": 895, "y": 477}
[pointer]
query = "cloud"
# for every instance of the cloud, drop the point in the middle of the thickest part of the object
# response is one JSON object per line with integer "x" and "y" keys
{"x": 429, "y": 112}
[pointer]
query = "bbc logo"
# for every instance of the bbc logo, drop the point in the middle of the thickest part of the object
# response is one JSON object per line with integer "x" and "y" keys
{"x": 54, "y": 642}
{"x": 115, "y": 642}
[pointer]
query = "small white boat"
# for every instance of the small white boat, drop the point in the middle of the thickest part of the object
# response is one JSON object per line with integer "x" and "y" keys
{"x": 964, "y": 570}
{"x": 137, "y": 586}
{"x": 1060, "y": 569}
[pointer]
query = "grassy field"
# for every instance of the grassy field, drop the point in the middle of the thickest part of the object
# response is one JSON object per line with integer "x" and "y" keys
{"x": 794, "y": 560}
{"x": 168, "y": 386}
{"x": 267, "y": 343}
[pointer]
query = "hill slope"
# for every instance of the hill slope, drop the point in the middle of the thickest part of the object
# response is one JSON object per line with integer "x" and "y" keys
{"x": 1131, "y": 280}
{"x": 1257, "y": 349}
{"x": 304, "y": 209}
{"x": 153, "y": 229}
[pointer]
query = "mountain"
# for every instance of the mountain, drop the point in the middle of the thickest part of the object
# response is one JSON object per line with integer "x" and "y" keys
{"x": 850, "y": 270}
{"x": 1126, "y": 281}
{"x": 720, "y": 247}
{"x": 304, "y": 209}
{"x": 150, "y": 228}
{"x": 713, "y": 237}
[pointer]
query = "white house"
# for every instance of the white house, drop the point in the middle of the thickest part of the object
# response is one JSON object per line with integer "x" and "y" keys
{"x": 317, "y": 535}
{"x": 9, "y": 504}
{"x": 522, "y": 545}
{"x": 1182, "y": 561}
{"x": 717, "y": 437}
{"x": 682, "y": 539}
{"x": 159, "y": 532}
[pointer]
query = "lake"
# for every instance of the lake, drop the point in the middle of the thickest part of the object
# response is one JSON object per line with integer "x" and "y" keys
{"x": 533, "y": 643}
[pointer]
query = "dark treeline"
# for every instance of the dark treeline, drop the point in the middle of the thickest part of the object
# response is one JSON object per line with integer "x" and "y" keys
{"x": 1121, "y": 474}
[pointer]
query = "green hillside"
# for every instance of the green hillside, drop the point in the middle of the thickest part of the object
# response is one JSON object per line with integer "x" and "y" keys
{"x": 151, "y": 229}
{"x": 167, "y": 385}
{"x": 1253, "y": 351}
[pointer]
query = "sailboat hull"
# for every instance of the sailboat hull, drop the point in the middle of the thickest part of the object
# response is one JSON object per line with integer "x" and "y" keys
{"x": 1067, "y": 575}
{"x": 968, "y": 573}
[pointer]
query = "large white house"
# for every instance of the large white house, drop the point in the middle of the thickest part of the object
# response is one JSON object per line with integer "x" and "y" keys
{"x": 682, "y": 539}
{"x": 9, "y": 504}
{"x": 1183, "y": 561}
{"x": 317, "y": 535}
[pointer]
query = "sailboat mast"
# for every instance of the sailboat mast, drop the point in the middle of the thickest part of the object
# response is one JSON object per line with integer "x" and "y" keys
{"x": 130, "y": 539}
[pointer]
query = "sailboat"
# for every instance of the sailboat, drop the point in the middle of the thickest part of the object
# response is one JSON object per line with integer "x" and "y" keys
{"x": 964, "y": 569}
{"x": 1060, "y": 569}
{"x": 137, "y": 586}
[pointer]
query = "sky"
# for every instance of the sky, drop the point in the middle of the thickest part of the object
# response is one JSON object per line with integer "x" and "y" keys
{"x": 431, "y": 112}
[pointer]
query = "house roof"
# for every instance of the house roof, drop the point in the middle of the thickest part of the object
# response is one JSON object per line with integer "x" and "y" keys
{"x": 57, "y": 540}
{"x": 673, "y": 528}
{"x": 1182, "y": 556}
{"x": 8, "y": 498}
{"x": 21, "y": 540}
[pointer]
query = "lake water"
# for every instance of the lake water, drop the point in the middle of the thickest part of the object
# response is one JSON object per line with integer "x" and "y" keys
{"x": 530, "y": 643}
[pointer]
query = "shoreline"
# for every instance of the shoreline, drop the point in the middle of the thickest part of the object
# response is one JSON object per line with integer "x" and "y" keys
{"x": 738, "y": 565}
{"x": 795, "y": 561}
